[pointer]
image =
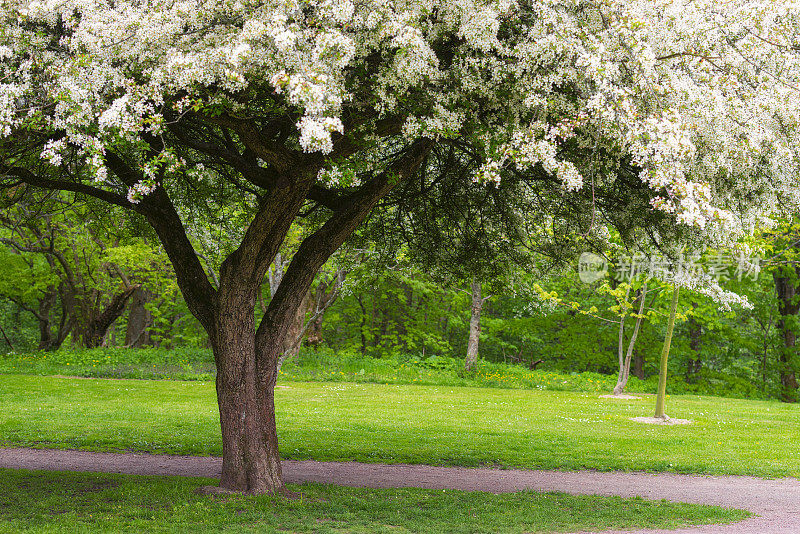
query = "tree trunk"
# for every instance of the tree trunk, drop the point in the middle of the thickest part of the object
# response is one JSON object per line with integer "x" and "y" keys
{"x": 363, "y": 324}
{"x": 140, "y": 319}
{"x": 291, "y": 343}
{"x": 621, "y": 345}
{"x": 788, "y": 306}
{"x": 474, "y": 326}
{"x": 46, "y": 340}
{"x": 245, "y": 393}
{"x": 247, "y": 357}
{"x": 314, "y": 334}
{"x": 662, "y": 375}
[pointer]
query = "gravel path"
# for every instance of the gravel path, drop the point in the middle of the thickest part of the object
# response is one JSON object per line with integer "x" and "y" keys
{"x": 776, "y": 502}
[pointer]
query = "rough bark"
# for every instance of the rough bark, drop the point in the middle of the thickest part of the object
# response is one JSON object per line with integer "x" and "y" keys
{"x": 788, "y": 307}
{"x": 474, "y": 326}
{"x": 247, "y": 361}
{"x": 245, "y": 393}
{"x": 297, "y": 328}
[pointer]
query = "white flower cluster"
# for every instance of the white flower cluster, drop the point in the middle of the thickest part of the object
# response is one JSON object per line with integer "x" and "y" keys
{"x": 315, "y": 134}
{"x": 703, "y": 97}
{"x": 527, "y": 149}
{"x": 140, "y": 190}
{"x": 52, "y": 152}
{"x": 705, "y": 284}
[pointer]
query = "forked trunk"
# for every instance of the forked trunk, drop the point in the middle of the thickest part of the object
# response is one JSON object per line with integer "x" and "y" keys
{"x": 245, "y": 393}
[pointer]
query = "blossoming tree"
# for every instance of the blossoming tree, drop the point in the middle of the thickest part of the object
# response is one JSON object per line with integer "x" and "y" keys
{"x": 322, "y": 108}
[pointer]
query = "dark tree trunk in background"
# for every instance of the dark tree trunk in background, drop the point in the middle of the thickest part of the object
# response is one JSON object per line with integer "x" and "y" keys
{"x": 363, "y": 325}
{"x": 326, "y": 294}
{"x": 291, "y": 343}
{"x": 638, "y": 364}
{"x": 97, "y": 327}
{"x": 140, "y": 320}
{"x": 786, "y": 283}
{"x": 474, "y": 325}
{"x": 314, "y": 333}
{"x": 46, "y": 339}
{"x": 49, "y": 339}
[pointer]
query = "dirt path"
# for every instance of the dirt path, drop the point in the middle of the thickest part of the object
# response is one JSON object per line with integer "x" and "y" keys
{"x": 776, "y": 502}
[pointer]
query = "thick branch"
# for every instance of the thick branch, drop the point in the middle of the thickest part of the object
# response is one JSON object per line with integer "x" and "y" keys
{"x": 192, "y": 280}
{"x": 27, "y": 177}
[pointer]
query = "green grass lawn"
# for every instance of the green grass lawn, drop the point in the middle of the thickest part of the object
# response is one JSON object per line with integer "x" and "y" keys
{"x": 415, "y": 424}
{"x": 44, "y": 501}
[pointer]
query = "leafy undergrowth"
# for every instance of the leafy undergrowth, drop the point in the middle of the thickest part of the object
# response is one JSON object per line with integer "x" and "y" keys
{"x": 115, "y": 362}
{"x": 42, "y": 501}
{"x": 328, "y": 366}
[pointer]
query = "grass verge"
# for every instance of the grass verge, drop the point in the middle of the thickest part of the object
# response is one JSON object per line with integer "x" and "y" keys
{"x": 412, "y": 424}
{"x": 42, "y": 501}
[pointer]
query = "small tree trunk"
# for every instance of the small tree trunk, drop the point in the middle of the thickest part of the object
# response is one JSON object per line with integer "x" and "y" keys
{"x": 621, "y": 346}
{"x": 5, "y": 338}
{"x": 625, "y": 365}
{"x": 474, "y": 326}
{"x": 46, "y": 340}
{"x": 662, "y": 375}
{"x": 363, "y": 324}
{"x": 294, "y": 335}
{"x": 314, "y": 334}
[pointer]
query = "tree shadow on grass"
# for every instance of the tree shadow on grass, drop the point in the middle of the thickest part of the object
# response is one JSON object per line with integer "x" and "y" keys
{"x": 98, "y": 502}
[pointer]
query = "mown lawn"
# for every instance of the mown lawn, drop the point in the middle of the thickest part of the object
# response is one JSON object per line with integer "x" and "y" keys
{"x": 82, "y": 502}
{"x": 415, "y": 424}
